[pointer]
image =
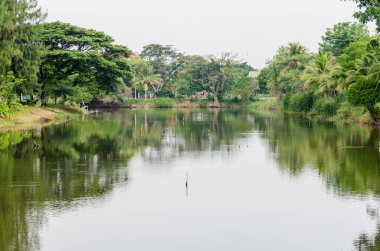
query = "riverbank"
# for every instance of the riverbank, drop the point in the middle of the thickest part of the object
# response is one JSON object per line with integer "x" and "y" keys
{"x": 345, "y": 114}
{"x": 37, "y": 117}
{"x": 162, "y": 103}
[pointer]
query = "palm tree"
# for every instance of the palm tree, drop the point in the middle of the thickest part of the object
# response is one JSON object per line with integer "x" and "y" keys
{"x": 361, "y": 70}
{"x": 146, "y": 77}
{"x": 294, "y": 49}
{"x": 321, "y": 74}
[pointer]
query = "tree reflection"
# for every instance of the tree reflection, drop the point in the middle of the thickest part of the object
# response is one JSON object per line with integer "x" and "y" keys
{"x": 80, "y": 162}
{"x": 346, "y": 157}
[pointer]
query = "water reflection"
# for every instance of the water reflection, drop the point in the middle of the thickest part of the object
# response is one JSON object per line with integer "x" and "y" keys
{"x": 347, "y": 158}
{"x": 82, "y": 161}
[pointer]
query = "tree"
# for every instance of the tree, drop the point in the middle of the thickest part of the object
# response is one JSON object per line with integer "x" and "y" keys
{"x": 79, "y": 57}
{"x": 240, "y": 91}
{"x": 338, "y": 38}
{"x": 284, "y": 70}
{"x": 366, "y": 93}
{"x": 318, "y": 74}
{"x": 221, "y": 72}
{"x": 20, "y": 52}
{"x": 263, "y": 79}
{"x": 145, "y": 76}
{"x": 369, "y": 11}
{"x": 165, "y": 61}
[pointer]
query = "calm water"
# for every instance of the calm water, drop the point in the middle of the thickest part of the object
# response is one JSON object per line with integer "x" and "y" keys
{"x": 116, "y": 181}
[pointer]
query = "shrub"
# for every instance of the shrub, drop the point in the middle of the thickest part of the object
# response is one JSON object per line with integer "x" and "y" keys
{"x": 15, "y": 107}
{"x": 347, "y": 113}
{"x": 325, "y": 107}
{"x": 300, "y": 102}
{"x": 4, "y": 110}
{"x": 366, "y": 93}
{"x": 163, "y": 102}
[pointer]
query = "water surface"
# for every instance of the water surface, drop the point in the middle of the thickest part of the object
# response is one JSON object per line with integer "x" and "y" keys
{"x": 116, "y": 181}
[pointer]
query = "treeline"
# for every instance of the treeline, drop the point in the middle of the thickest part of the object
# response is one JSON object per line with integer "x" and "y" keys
{"x": 169, "y": 73}
{"x": 344, "y": 73}
{"x": 58, "y": 62}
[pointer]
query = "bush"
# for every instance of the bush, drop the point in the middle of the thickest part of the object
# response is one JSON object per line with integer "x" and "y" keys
{"x": 367, "y": 94}
{"x": 347, "y": 113}
{"x": 325, "y": 107}
{"x": 300, "y": 102}
{"x": 163, "y": 102}
{"x": 4, "y": 110}
{"x": 15, "y": 107}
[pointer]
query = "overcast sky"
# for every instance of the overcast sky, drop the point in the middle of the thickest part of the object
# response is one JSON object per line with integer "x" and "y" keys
{"x": 252, "y": 28}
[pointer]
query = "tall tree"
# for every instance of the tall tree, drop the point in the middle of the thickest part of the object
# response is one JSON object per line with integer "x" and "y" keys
{"x": 80, "y": 59}
{"x": 144, "y": 76}
{"x": 284, "y": 70}
{"x": 20, "y": 52}
{"x": 165, "y": 61}
{"x": 318, "y": 74}
{"x": 341, "y": 35}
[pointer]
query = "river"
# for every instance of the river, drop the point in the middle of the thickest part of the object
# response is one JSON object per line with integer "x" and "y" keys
{"x": 190, "y": 180}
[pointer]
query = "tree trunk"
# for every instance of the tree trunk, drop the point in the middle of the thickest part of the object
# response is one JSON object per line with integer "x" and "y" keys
{"x": 216, "y": 100}
{"x": 374, "y": 113}
{"x": 44, "y": 98}
{"x": 135, "y": 93}
{"x": 145, "y": 96}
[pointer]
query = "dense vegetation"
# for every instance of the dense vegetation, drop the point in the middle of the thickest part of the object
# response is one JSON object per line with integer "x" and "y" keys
{"x": 57, "y": 62}
{"x": 344, "y": 73}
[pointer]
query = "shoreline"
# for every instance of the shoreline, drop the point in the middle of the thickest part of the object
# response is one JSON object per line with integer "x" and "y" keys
{"x": 354, "y": 117}
{"x": 38, "y": 117}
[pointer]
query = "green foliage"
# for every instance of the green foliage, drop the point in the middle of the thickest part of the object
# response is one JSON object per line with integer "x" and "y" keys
{"x": 318, "y": 76}
{"x": 15, "y": 107}
{"x": 81, "y": 59}
{"x": 300, "y": 102}
{"x": 369, "y": 11}
{"x": 338, "y": 38}
{"x": 241, "y": 91}
{"x": 9, "y": 82}
{"x": 367, "y": 94}
{"x": 282, "y": 74}
{"x": 4, "y": 110}
{"x": 20, "y": 54}
{"x": 263, "y": 79}
{"x": 217, "y": 75}
{"x": 325, "y": 107}
{"x": 165, "y": 60}
{"x": 144, "y": 76}
{"x": 163, "y": 103}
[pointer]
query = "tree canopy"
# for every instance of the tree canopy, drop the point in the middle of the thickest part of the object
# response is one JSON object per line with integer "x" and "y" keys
{"x": 341, "y": 35}
{"x": 81, "y": 62}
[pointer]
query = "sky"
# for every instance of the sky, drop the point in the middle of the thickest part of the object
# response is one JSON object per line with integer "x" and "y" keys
{"x": 253, "y": 29}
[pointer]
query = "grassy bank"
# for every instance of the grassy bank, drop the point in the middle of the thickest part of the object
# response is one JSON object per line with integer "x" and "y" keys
{"x": 37, "y": 117}
{"x": 345, "y": 113}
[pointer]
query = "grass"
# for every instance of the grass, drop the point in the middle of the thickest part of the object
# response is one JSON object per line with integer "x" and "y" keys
{"x": 37, "y": 117}
{"x": 267, "y": 104}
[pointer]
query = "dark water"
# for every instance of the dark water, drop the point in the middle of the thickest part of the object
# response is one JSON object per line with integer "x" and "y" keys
{"x": 116, "y": 181}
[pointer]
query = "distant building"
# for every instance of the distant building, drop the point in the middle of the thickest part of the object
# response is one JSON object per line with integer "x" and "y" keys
{"x": 200, "y": 95}
{"x": 254, "y": 73}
